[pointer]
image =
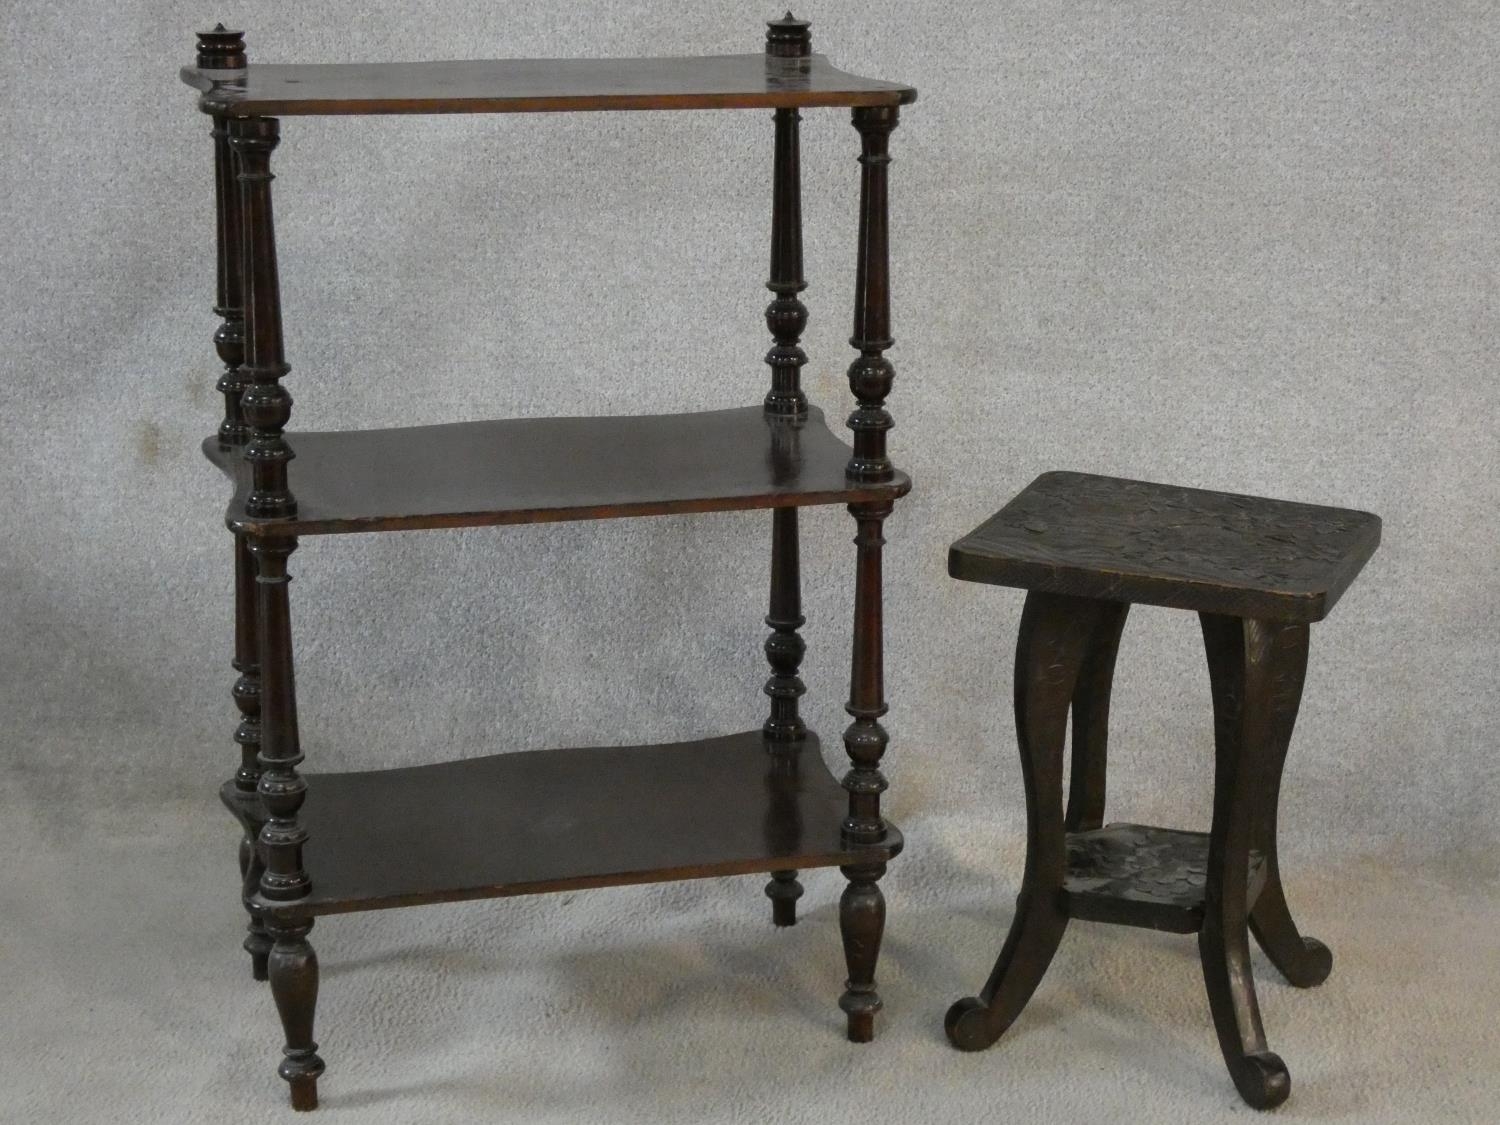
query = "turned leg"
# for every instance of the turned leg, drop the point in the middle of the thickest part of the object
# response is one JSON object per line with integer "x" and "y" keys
{"x": 294, "y": 984}
{"x": 1303, "y": 961}
{"x": 785, "y": 407}
{"x": 1055, "y": 635}
{"x": 1086, "y": 784}
{"x": 784, "y": 730}
{"x": 861, "y": 922}
{"x": 247, "y": 735}
{"x": 1250, "y": 664}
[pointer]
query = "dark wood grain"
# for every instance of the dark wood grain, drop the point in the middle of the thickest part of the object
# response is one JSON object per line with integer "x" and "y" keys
{"x": 1141, "y": 875}
{"x": 551, "y": 820}
{"x": 524, "y": 823}
{"x": 1107, "y": 543}
{"x": 537, "y": 86}
{"x": 1133, "y": 541}
{"x": 539, "y": 470}
{"x": 1051, "y": 646}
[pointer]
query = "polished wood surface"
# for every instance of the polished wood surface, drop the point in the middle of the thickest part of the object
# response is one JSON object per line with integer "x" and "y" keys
{"x": 551, "y": 820}
{"x": 1109, "y": 542}
{"x": 1134, "y": 541}
{"x": 540, "y": 470}
{"x": 754, "y": 81}
{"x": 522, "y": 823}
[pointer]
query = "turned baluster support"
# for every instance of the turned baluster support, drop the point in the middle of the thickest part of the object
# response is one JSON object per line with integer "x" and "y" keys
{"x": 862, "y": 908}
{"x": 223, "y": 51}
{"x": 267, "y": 404}
{"x": 292, "y": 965}
{"x": 871, "y": 374}
{"x": 284, "y": 880}
{"x": 788, "y": 45}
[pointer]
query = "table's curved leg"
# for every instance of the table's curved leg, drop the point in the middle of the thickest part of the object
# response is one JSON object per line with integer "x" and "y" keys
{"x": 1303, "y": 961}
{"x": 1054, "y": 641}
{"x": 1086, "y": 782}
{"x": 1251, "y": 665}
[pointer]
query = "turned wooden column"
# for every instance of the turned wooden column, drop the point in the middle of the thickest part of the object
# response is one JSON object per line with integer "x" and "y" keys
{"x": 267, "y": 404}
{"x": 222, "y": 51}
{"x": 862, "y": 908}
{"x": 788, "y": 45}
{"x": 292, "y": 965}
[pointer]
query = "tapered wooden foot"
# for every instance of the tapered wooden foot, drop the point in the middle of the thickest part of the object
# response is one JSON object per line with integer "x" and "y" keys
{"x": 975, "y": 1022}
{"x": 294, "y": 984}
{"x": 1259, "y": 1074}
{"x": 784, "y": 890}
{"x": 861, "y": 922}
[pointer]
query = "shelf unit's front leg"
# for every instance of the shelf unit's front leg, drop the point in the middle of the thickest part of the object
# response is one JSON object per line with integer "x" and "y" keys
{"x": 293, "y": 967}
{"x": 225, "y": 50}
{"x": 862, "y": 909}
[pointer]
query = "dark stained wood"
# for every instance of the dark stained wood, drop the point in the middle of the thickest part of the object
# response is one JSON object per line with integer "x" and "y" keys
{"x": 565, "y": 819}
{"x": 539, "y": 86}
{"x": 789, "y": 41}
{"x": 294, "y": 985}
{"x": 523, "y": 823}
{"x": 1133, "y": 541}
{"x": 242, "y": 793}
{"x": 871, "y": 374}
{"x": 1109, "y": 542}
{"x": 1053, "y": 642}
{"x": 539, "y": 470}
{"x": 1087, "y": 786}
{"x": 1140, "y": 875}
{"x": 1256, "y": 669}
{"x": 265, "y": 402}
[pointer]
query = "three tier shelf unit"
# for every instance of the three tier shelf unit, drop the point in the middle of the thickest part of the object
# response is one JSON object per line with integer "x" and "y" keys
{"x": 550, "y": 820}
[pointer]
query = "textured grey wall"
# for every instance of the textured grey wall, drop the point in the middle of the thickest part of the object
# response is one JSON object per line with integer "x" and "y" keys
{"x": 1248, "y": 246}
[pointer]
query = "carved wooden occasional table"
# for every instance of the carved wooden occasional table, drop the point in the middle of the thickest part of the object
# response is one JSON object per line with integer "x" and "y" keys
{"x": 527, "y": 823}
{"x": 1257, "y": 572}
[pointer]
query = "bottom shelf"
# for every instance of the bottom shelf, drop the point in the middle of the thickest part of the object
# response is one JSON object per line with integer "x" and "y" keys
{"x": 551, "y": 820}
{"x": 1137, "y": 875}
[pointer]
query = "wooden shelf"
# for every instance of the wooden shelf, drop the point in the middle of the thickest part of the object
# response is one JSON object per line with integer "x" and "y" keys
{"x": 551, "y": 820}
{"x": 539, "y": 470}
{"x": 537, "y": 86}
{"x": 1140, "y": 875}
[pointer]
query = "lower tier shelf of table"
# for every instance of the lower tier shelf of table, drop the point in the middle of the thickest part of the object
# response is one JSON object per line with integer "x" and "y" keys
{"x": 1140, "y": 875}
{"x": 554, "y": 820}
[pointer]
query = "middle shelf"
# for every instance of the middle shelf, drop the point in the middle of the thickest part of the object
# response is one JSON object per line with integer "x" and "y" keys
{"x": 549, "y": 820}
{"x": 537, "y": 470}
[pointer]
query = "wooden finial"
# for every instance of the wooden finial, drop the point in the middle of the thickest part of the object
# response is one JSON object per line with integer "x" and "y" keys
{"x": 221, "y": 49}
{"x": 788, "y": 37}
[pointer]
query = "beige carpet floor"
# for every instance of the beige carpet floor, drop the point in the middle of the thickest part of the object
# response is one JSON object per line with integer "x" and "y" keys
{"x": 127, "y": 1000}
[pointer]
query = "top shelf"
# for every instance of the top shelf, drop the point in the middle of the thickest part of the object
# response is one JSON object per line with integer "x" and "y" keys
{"x": 538, "y": 86}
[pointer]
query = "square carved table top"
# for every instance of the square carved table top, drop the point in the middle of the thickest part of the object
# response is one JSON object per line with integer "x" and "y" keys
{"x": 1133, "y": 541}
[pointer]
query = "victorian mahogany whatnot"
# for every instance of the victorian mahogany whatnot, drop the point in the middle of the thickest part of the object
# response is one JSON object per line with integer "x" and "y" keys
{"x": 549, "y": 820}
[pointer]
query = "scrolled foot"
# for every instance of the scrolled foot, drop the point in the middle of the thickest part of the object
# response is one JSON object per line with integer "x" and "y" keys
{"x": 1305, "y": 962}
{"x": 968, "y": 1026}
{"x": 1262, "y": 1079}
